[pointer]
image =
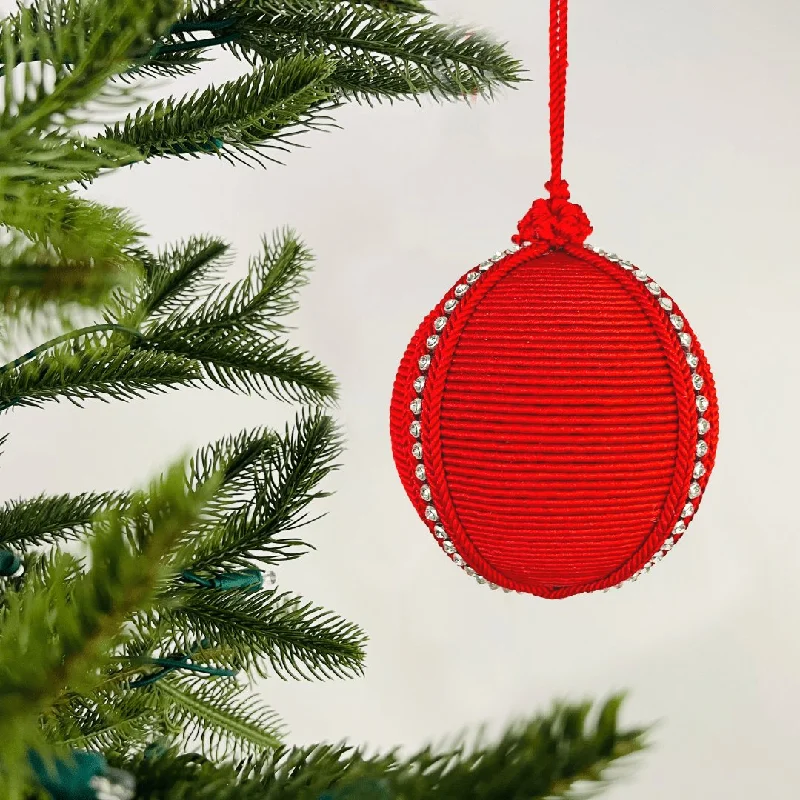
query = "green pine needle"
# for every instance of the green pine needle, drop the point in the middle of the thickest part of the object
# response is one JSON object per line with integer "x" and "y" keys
{"x": 256, "y": 113}
{"x": 48, "y": 519}
{"x": 216, "y": 712}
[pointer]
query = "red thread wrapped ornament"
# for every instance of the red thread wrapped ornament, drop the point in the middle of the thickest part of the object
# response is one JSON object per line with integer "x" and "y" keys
{"x": 554, "y": 419}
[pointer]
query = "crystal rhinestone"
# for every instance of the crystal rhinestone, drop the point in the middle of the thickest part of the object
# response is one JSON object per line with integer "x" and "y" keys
{"x": 641, "y": 275}
{"x": 480, "y": 579}
{"x": 679, "y": 529}
{"x": 507, "y": 591}
{"x": 494, "y": 587}
{"x": 657, "y": 557}
{"x": 471, "y": 572}
{"x": 667, "y": 546}
{"x": 458, "y": 561}
{"x": 473, "y": 276}
{"x": 613, "y": 257}
{"x": 600, "y": 252}
{"x": 431, "y": 514}
{"x": 692, "y": 360}
{"x": 439, "y": 532}
{"x": 497, "y": 256}
{"x": 419, "y": 383}
{"x": 432, "y": 341}
{"x": 666, "y": 303}
{"x": 686, "y": 340}
{"x": 415, "y": 429}
{"x": 484, "y": 265}
{"x": 449, "y": 547}
{"x": 416, "y": 405}
{"x": 688, "y": 510}
{"x": 416, "y": 451}
{"x": 424, "y": 362}
{"x": 697, "y": 381}
{"x": 654, "y": 288}
{"x": 626, "y": 265}
{"x": 425, "y": 492}
{"x": 702, "y": 403}
{"x": 677, "y": 321}
{"x": 512, "y": 248}
{"x": 450, "y": 305}
{"x": 701, "y": 449}
{"x": 699, "y": 470}
{"x": 703, "y": 426}
{"x": 420, "y": 472}
{"x": 694, "y": 490}
{"x": 439, "y": 323}
{"x": 461, "y": 290}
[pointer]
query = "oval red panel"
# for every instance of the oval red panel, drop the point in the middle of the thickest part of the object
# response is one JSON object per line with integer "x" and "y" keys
{"x": 554, "y": 422}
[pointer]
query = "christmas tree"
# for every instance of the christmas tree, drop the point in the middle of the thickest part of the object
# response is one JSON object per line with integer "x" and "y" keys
{"x": 130, "y": 621}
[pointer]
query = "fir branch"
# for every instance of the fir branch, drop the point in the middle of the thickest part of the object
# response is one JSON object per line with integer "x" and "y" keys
{"x": 85, "y": 43}
{"x": 380, "y": 55}
{"x": 179, "y": 274}
{"x": 256, "y": 112}
{"x": 65, "y": 229}
{"x": 541, "y": 759}
{"x": 245, "y": 362}
{"x": 227, "y": 723}
{"x": 32, "y": 277}
{"x": 26, "y": 523}
{"x": 64, "y": 631}
{"x": 254, "y": 304}
{"x": 102, "y": 372}
{"x": 267, "y": 633}
{"x": 107, "y": 721}
{"x": 286, "y": 477}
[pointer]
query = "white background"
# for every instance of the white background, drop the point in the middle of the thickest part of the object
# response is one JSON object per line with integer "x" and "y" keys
{"x": 682, "y": 128}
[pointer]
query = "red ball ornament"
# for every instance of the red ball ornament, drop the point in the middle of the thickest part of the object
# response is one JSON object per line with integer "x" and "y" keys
{"x": 554, "y": 419}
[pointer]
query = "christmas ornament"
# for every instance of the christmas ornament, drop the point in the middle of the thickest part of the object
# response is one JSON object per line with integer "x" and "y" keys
{"x": 554, "y": 419}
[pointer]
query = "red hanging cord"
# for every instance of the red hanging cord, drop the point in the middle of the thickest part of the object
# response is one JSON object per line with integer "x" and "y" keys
{"x": 555, "y": 221}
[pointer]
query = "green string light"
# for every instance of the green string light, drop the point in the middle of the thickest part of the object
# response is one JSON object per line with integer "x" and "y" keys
{"x": 81, "y": 776}
{"x": 178, "y": 661}
{"x": 251, "y": 579}
{"x": 9, "y": 564}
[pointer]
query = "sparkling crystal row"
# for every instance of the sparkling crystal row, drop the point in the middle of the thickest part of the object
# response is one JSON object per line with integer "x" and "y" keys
{"x": 701, "y": 403}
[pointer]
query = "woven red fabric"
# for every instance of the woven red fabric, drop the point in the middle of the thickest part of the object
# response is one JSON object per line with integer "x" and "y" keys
{"x": 559, "y": 423}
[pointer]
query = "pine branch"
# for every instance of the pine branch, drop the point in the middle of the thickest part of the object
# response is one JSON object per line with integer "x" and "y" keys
{"x": 177, "y": 276}
{"x": 227, "y": 723}
{"x": 107, "y": 721}
{"x": 101, "y": 371}
{"x": 256, "y": 112}
{"x": 286, "y": 474}
{"x": 65, "y": 630}
{"x": 26, "y": 523}
{"x": 85, "y": 43}
{"x": 71, "y": 229}
{"x": 266, "y": 633}
{"x": 544, "y": 758}
{"x": 249, "y": 363}
{"x": 254, "y": 304}
{"x": 381, "y": 55}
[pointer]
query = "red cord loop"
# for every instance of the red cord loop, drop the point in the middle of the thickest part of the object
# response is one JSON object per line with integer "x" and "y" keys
{"x": 555, "y": 221}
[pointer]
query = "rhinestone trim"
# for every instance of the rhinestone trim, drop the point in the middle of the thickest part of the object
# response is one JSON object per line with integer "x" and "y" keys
{"x": 701, "y": 403}
{"x": 703, "y": 426}
{"x": 439, "y": 325}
